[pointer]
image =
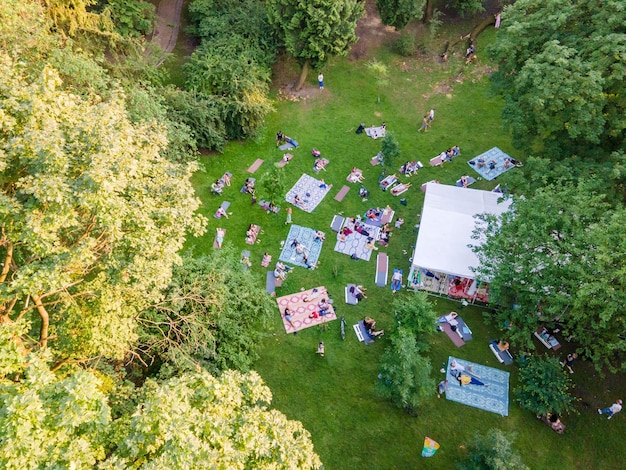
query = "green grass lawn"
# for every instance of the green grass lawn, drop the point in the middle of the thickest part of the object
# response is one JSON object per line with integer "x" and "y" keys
{"x": 334, "y": 396}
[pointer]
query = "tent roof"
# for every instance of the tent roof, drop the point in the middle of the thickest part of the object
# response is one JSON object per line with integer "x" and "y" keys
{"x": 444, "y": 243}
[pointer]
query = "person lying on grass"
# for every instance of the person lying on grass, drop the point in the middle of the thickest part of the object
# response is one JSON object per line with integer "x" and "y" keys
{"x": 370, "y": 326}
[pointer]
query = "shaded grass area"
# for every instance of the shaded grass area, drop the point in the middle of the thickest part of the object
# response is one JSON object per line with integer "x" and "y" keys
{"x": 334, "y": 396}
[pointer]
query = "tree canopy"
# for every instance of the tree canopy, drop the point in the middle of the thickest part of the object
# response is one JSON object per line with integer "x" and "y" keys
{"x": 398, "y": 13}
{"x": 92, "y": 215}
{"x": 313, "y": 31}
{"x": 559, "y": 256}
{"x": 561, "y": 71}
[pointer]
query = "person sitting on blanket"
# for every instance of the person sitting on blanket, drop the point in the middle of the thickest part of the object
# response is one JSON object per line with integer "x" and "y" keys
{"x": 290, "y": 141}
{"x": 370, "y": 325}
{"x": 307, "y": 263}
{"x": 492, "y": 166}
{"x": 265, "y": 262}
{"x": 225, "y": 179}
{"x": 356, "y": 176}
{"x": 371, "y": 214}
{"x": 219, "y": 237}
{"x": 297, "y": 201}
{"x": 316, "y": 153}
{"x": 217, "y": 187}
{"x": 399, "y": 222}
{"x": 507, "y": 163}
{"x": 456, "y": 150}
{"x": 359, "y": 292}
{"x": 469, "y": 380}
{"x": 220, "y": 213}
{"x": 481, "y": 162}
{"x": 465, "y": 180}
{"x": 249, "y": 186}
{"x": 371, "y": 244}
{"x": 287, "y": 157}
{"x": 320, "y": 236}
{"x": 319, "y": 164}
{"x": 503, "y": 345}
{"x": 288, "y": 316}
{"x": 246, "y": 260}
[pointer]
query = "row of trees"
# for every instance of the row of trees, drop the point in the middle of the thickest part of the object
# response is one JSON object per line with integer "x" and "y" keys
{"x": 559, "y": 257}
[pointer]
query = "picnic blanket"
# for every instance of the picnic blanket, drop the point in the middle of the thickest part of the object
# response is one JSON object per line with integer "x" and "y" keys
{"x": 493, "y": 154}
{"x": 375, "y": 132}
{"x": 301, "y": 309}
{"x": 494, "y": 397}
{"x": 309, "y": 191}
{"x": 306, "y": 236}
{"x": 355, "y": 242}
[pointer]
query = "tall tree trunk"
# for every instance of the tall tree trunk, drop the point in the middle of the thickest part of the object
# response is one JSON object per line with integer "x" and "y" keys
{"x": 303, "y": 73}
{"x": 479, "y": 28}
{"x": 8, "y": 259}
{"x": 45, "y": 321}
{"x": 428, "y": 11}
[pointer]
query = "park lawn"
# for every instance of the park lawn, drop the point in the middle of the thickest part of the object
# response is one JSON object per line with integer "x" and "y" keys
{"x": 334, "y": 396}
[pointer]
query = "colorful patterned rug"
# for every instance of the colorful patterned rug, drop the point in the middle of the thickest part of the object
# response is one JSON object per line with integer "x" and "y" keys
{"x": 302, "y": 309}
{"x": 495, "y": 154}
{"x": 355, "y": 242}
{"x": 308, "y": 191}
{"x": 306, "y": 236}
{"x": 494, "y": 397}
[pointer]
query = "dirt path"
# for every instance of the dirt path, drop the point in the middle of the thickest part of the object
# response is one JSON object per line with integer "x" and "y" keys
{"x": 168, "y": 23}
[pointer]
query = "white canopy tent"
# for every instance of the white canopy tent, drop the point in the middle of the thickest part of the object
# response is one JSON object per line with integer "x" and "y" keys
{"x": 444, "y": 242}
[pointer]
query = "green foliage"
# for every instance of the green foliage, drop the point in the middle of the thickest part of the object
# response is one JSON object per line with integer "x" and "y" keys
{"x": 93, "y": 217}
{"x": 47, "y": 418}
{"x": 391, "y": 150}
{"x": 213, "y": 315}
{"x": 230, "y": 72}
{"x": 405, "y": 45}
{"x": 544, "y": 386}
{"x": 274, "y": 184}
{"x": 435, "y": 22}
{"x": 493, "y": 451}
{"x": 313, "y": 31}
{"x": 573, "y": 53}
{"x": 199, "y": 420}
{"x": 404, "y": 374}
{"x": 467, "y": 7}
{"x": 132, "y": 17}
{"x": 200, "y": 113}
{"x": 398, "y": 13}
{"x": 560, "y": 253}
{"x": 416, "y": 314}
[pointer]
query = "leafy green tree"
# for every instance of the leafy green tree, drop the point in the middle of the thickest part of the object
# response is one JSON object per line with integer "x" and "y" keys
{"x": 131, "y": 17}
{"x": 314, "y": 30}
{"x": 404, "y": 373}
{"x": 63, "y": 419}
{"x": 559, "y": 254}
{"x": 47, "y": 418}
{"x": 274, "y": 184}
{"x": 398, "y": 13}
{"x": 560, "y": 70}
{"x": 212, "y": 316}
{"x": 493, "y": 451}
{"x": 199, "y": 421}
{"x": 416, "y": 314}
{"x": 390, "y": 149}
{"x": 92, "y": 216}
{"x": 544, "y": 386}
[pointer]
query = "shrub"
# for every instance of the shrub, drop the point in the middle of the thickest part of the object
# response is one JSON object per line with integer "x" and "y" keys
{"x": 405, "y": 44}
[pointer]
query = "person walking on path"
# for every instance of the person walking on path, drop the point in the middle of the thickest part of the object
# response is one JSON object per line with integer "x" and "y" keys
{"x": 612, "y": 410}
{"x": 320, "y": 80}
{"x": 569, "y": 361}
{"x": 288, "y": 221}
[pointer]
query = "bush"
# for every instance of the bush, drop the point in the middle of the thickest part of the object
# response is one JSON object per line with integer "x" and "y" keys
{"x": 493, "y": 451}
{"x": 544, "y": 386}
{"x": 405, "y": 45}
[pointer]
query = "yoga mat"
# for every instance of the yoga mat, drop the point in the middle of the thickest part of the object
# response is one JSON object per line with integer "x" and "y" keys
{"x": 255, "y": 166}
{"x": 342, "y": 193}
{"x": 453, "y": 335}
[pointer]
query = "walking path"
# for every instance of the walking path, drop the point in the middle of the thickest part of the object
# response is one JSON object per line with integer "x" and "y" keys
{"x": 167, "y": 26}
